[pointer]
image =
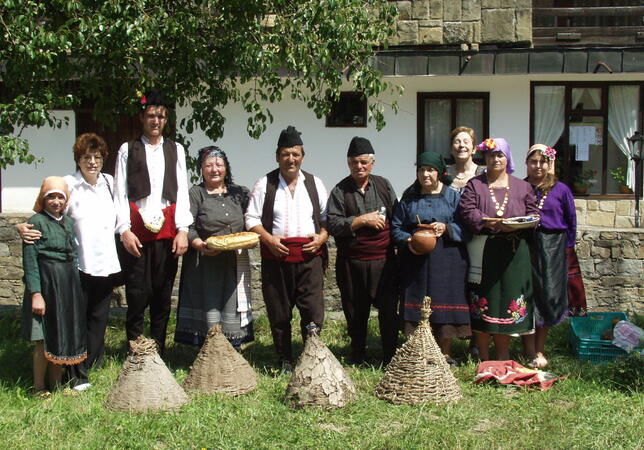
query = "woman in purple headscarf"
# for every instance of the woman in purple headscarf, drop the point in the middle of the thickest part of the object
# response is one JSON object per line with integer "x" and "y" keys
{"x": 500, "y": 273}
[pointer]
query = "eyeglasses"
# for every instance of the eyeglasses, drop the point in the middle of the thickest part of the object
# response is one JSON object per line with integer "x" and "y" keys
{"x": 88, "y": 158}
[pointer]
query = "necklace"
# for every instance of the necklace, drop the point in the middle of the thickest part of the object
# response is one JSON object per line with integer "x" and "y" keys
{"x": 543, "y": 199}
{"x": 500, "y": 209}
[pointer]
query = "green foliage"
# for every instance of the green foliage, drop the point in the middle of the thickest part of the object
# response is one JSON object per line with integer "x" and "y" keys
{"x": 619, "y": 175}
{"x": 627, "y": 374}
{"x": 582, "y": 411}
{"x": 59, "y": 54}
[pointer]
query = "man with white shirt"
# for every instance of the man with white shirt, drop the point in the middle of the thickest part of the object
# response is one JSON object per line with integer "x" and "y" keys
{"x": 151, "y": 187}
{"x": 288, "y": 210}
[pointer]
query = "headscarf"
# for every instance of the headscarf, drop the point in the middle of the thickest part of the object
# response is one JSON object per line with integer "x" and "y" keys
{"x": 548, "y": 152}
{"x": 213, "y": 151}
{"x": 51, "y": 185}
{"x": 436, "y": 161}
{"x": 498, "y": 145}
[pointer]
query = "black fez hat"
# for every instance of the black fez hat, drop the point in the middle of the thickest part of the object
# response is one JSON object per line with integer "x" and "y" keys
{"x": 153, "y": 97}
{"x": 359, "y": 146}
{"x": 289, "y": 138}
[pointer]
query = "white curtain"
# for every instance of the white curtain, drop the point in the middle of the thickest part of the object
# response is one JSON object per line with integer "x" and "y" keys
{"x": 549, "y": 118}
{"x": 623, "y": 106}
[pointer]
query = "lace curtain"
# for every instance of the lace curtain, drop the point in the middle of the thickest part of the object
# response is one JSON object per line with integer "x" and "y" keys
{"x": 623, "y": 107}
{"x": 549, "y": 118}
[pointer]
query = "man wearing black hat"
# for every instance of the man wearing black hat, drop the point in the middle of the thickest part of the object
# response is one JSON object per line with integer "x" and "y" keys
{"x": 360, "y": 209}
{"x": 151, "y": 189}
{"x": 288, "y": 209}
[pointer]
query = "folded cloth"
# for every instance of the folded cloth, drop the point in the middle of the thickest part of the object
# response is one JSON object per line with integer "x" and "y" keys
{"x": 243, "y": 287}
{"x": 511, "y": 372}
{"x": 475, "y": 249}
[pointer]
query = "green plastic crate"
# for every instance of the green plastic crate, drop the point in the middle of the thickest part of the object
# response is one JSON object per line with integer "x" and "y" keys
{"x": 586, "y": 340}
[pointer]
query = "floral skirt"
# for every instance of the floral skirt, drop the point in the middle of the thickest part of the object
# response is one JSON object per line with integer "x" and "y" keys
{"x": 502, "y": 303}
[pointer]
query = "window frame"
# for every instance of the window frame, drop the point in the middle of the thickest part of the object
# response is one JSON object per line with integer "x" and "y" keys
{"x": 565, "y": 149}
{"x": 453, "y": 97}
{"x": 354, "y": 96}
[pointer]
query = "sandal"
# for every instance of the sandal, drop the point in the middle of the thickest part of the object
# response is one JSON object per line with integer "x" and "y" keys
{"x": 42, "y": 394}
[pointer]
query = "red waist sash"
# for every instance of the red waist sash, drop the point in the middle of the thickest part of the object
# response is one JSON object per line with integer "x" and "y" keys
{"x": 295, "y": 253}
{"x": 369, "y": 244}
{"x": 168, "y": 229}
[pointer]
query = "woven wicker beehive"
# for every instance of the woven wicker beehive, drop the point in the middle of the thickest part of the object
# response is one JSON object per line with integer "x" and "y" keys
{"x": 219, "y": 368}
{"x": 318, "y": 378}
{"x": 145, "y": 383}
{"x": 418, "y": 373}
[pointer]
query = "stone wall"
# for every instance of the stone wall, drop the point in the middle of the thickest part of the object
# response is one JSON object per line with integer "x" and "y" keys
{"x": 612, "y": 262}
{"x": 606, "y": 213}
{"x": 465, "y": 22}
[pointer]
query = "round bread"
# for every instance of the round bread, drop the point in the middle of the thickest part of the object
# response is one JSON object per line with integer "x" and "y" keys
{"x": 235, "y": 241}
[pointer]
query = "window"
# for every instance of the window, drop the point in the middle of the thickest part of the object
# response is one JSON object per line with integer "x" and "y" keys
{"x": 440, "y": 112}
{"x": 588, "y": 124}
{"x": 349, "y": 111}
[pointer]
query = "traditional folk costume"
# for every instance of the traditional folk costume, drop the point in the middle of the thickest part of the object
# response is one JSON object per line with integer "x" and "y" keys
{"x": 50, "y": 267}
{"x": 556, "y": 232}
{"x": 151, "y": 180}
{"x": 94, "y": 212}
{"x": 365, "y": 265}
{"x": 215, "y": 289}
{"x": 440, "y": 274}
{"x": 501, "y": 299}
{"x": 298, "y": 278}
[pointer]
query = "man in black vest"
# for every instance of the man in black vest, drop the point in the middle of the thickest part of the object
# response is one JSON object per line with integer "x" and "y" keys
{"x": 359, "y": 211}
{"x": 288, "y": 209}
{"x": 151, "y": 189}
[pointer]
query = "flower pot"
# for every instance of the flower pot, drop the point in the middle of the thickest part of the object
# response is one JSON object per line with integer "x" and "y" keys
{"x": 580, "y": 190}
{"x": 623, "y": 189}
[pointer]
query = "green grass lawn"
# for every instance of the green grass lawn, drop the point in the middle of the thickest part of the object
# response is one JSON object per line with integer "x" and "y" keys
{"x": 586, "y": 410}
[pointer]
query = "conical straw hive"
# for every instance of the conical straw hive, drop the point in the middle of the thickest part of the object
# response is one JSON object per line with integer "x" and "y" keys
{"x": 418, "y": 372}
{"x": 318, "y": 378}
{"x": 219, "y": 368}
{"x": 145, "y": 383}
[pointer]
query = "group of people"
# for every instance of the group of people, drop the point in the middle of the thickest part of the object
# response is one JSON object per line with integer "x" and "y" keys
{"x": 92, "y": 231}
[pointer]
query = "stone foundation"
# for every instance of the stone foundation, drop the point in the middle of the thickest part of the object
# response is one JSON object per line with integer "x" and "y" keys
{"x": 612, "y": 263}
{"x": 606, "y": 213}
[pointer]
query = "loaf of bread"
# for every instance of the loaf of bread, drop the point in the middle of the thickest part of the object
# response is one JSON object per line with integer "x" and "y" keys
{"x": 235, "y": 241}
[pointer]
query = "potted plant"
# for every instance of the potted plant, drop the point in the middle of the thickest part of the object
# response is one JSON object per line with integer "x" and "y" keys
{"x": 583, "y": 180}
{"x": 619, "y": 175}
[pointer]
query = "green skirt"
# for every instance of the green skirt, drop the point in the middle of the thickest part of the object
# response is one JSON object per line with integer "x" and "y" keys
{"x": 63, "y": 327}
{"x": 502, "y": 303}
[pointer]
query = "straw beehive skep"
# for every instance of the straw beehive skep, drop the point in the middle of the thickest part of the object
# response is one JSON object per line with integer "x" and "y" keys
{"x": 318, "y": 378}
{"x": 145, "y": 383}
{"x": 419, "y": 373}
{"x": 219, "y": 368}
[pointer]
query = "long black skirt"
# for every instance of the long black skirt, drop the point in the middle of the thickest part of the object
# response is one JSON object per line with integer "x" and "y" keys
{"x": 63, "y": 327}
{"x": 440, "y": 275}
{"x": 550, "y": 277}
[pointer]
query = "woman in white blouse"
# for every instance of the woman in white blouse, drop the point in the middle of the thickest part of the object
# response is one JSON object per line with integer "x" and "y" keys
{"x": 91, "y": 205}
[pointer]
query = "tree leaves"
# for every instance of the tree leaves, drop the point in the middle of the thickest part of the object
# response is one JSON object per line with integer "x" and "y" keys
{"x": 206, "y": 53}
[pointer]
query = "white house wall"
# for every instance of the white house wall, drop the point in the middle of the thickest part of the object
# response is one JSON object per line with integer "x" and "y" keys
{"x": 395, "y": 145}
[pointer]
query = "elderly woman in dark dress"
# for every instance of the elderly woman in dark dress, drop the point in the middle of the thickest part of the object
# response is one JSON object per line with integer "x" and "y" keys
{"x": 441, "y": 273}
{"x": 215, "y": 286}
{"x": 501, "y": 301}
{"x": 556, "y": 232}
